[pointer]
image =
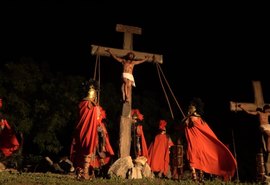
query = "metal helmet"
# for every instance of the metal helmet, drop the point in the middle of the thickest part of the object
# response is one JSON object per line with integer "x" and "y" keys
{"x": 92, "y": 93}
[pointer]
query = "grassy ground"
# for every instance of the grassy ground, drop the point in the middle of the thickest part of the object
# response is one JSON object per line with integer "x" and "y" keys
{"x": 17, "y": 178}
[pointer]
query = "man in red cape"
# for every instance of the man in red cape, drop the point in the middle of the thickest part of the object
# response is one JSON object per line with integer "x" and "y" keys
{"x": 205, "y": 152}
{"x": 159, "y": 152}
{"x": 140, "y": 147}
{"x": 90, "y": 147}
{"x": 8, "y": 140}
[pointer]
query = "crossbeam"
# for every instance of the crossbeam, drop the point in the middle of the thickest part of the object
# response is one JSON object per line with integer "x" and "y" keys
{"x": 100, "y": 50}
{"x": 258, "y": 99}
{"x": 125, "y": 122}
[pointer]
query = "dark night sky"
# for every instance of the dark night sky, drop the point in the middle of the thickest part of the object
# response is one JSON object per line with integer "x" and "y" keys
{"x": 212, "y": 51}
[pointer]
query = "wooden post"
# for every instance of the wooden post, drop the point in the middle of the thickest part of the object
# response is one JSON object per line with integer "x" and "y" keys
{"x": 126, "y": 121}
{"x": 128, "y": 34}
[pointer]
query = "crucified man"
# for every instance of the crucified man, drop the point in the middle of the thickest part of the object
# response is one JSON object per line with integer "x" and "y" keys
{"x": 128, "y": 62}
{"x": 263, "y": 116}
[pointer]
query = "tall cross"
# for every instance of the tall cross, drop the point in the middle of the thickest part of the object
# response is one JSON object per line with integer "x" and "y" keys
{"x": 127, "y": 46}
{"x": 126, "y": 120}
{"x": 258, "y": 99}
{"x": 258, "y": 103}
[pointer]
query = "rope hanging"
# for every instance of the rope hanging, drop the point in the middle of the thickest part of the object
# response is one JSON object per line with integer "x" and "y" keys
{"x": 97, "y": 69}
{"x": 159, "y": 70}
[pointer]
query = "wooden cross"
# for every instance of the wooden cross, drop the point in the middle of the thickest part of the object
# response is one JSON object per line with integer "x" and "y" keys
{"x": 258, "y": 103}
{"x": 126, "y": 120}
{"x": 258, "y": 99}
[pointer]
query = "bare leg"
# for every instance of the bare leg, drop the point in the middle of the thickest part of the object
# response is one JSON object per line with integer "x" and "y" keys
{"x": 123, "y": 91}
{"x": 267, "y": 162}
{"x": 193, "y": 174}
{"x": 201, "y": 176}
{"x": 85, "y": 171}
{"x": 268, "y": 144}
{"x": 128, "y": 90}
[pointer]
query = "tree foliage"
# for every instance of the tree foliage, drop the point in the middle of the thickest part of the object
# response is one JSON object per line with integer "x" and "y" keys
{"x": 40, "y": 104}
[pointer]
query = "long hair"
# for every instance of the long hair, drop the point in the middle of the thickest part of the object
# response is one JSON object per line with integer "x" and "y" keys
{"x": 197, "y": 102}
{"x": 129, "y": 56}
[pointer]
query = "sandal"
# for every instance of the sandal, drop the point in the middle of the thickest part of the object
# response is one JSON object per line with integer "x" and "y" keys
{"x": 201, "y": 176}
{"x": 194, "y": 176}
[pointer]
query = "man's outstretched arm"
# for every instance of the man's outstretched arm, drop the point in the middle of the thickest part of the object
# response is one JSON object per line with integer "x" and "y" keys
{"x": 114, "y": 56}
{"x": 247, "y": 111}
{"x": 141, "y": 61}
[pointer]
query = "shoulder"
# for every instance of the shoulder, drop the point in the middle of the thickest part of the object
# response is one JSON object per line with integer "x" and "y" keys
{"x": 195, "y": 118}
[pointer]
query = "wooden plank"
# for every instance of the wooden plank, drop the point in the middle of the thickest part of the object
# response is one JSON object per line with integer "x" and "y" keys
{"x": 128, "y": 41}
{"x": 258, "y": 93}
{"x": 100, "y": 50}
{"x": 246, "y": 106}
{"x": 129, "y": 29}
{"x": 258, "y": 99}
{"x": 128, "y": 34}
{"x": 125, "y": 136}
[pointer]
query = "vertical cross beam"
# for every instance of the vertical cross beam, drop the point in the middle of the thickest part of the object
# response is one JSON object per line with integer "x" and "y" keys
{"x": 125, "y": 122}
{"x": 128, "y": 34}
{"x": 258, "y": 103}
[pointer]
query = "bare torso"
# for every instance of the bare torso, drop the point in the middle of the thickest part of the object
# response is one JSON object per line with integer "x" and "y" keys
{"x": 128, "y": 66}
{"x": 263, "y": 117}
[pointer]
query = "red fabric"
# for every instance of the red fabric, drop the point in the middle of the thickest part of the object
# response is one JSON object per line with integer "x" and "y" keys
{"x": 8, "y": 140}
{"x": 143, "y": 141}
{"x": 85, "y": 140}
{"x": 137, "y": 113}
{"x": 206, "y": 152}
{"x": 108, "y": 147}
{"x": 162, "y": 124}
{"x": 159, "y": 153}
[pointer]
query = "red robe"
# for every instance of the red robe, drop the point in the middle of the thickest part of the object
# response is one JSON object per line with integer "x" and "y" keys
{"x": 8, "y": 140}
{"x": 108, "y": 148}
{"x": 206, "y": 152}
{"x": 85, "y": 140}
{"x": 159, "y": 153}
{"x": 140, "y": 134}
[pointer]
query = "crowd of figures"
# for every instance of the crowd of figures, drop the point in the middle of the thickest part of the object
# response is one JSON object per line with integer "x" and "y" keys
{"x": 91, "y": 148}
{"x": 91, "y": 152}
{"x": 92, "y": 155}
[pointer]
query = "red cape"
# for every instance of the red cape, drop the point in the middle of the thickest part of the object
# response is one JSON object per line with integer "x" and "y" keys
{"x": 206, "y": 152}
{"x": 8, "y": 140}
{"x": 108, "y": 147}
{"x": 143, "y": 141}
{"x": 159, "y": 153}
{"x": 85, "y": 140}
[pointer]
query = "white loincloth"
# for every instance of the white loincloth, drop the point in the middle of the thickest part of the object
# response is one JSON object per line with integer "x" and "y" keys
{"x": 130, "y": 77}
{"x": 265, "y": 127}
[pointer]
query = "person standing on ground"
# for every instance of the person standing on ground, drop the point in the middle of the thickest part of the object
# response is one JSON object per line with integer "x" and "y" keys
{"x": 140, "y": 145}
{"x": 205, "y": 152}
{"x": 159, "y": 152}
{"x": 90, "y": 147}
